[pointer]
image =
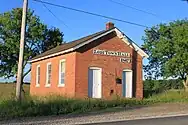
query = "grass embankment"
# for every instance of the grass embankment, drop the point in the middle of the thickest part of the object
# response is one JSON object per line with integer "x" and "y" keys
{"x": 58, "y": 105}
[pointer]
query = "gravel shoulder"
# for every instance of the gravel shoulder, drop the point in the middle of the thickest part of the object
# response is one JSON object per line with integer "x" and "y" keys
{"x": 115, "y": 114}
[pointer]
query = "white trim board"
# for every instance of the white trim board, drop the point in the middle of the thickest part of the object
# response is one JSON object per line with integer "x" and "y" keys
{"x": 119, "y": 34}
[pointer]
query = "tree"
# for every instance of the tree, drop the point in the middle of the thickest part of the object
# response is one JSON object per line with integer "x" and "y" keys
{"x": 167, "y": 46}
{"x": 185, "y": 0}
{"x": 39, "y": 38}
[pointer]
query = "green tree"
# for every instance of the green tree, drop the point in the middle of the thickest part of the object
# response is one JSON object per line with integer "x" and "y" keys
{"x": 167, "y": 46}
{"x": 39, "y": 38}
{"x": 185, "y": 0}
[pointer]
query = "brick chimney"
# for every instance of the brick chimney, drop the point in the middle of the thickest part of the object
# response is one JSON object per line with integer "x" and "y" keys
{"x": 109, "y": 25}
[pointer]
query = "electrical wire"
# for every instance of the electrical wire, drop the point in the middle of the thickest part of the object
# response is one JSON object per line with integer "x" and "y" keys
{"x": 90, "y": 13}
{"x": 55, "y": 15}
{"x": 134, "y": 8}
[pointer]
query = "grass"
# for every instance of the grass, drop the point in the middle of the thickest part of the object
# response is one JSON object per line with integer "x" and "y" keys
{"x": 59, "y": 106}
{"x": 7, "y": 90}
{"x": 56, "y": 105}
{"x": 170, "y": 96}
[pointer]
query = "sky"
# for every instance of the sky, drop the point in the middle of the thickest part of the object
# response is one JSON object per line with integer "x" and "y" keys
{"x": 75, "y": 24}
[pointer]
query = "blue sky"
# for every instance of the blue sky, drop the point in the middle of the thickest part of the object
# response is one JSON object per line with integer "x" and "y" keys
{"x": 79, "y": 24}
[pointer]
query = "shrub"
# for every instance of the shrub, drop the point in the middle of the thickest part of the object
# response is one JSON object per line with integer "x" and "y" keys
{"x": 35, "y": 107}
{"x": 152, "y": 87}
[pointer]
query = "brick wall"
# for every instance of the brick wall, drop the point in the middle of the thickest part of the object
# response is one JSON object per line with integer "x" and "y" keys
{"x": 78, "y": 63}
{"x": 67, "y": 90}
{"x": 111, "y": 67}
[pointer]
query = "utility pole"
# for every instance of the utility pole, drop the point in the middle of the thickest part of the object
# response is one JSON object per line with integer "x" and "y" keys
{"x": 21, "y": 53}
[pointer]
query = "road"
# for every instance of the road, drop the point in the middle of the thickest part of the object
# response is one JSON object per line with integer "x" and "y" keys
{"x": 177, "y": 120}
{"x": 179, "y": 110}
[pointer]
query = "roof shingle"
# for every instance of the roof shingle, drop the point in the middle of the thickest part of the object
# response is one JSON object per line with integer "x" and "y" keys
{"x": 69, "y": 45}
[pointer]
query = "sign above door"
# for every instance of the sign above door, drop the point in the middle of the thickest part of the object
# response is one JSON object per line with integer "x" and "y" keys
{"x": 111, "y": 53}
{"x": 126, "y": 55}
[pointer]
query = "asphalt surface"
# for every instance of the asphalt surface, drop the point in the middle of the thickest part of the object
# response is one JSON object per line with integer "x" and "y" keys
{"x": 162, "y": 114}
{"x": 177, "y": 120}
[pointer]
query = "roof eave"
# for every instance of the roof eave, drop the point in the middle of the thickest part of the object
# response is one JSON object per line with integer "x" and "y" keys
{"x": 134, "y": 45}
{"x": 73, "y": 48}
{"x": 119, "y": 34}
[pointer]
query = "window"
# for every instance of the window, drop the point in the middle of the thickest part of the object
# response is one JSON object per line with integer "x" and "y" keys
{"x": 38, "y": 76}
{"x": 62, "y": 72}
{"x": 48, "y": 74}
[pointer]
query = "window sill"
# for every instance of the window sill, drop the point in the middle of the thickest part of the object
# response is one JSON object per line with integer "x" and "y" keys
{"x": 47, "y": 85}
{"x": 38, "y": 85}
{"x": 61, "y": 85}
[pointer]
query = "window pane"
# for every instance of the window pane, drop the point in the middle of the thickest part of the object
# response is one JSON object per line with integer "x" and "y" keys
{"x": 49, "y": 68}
{"x": 38, "y": 75}
{"x": 38, "y": 79}
{"x": 62, "y": 72}
{"x": 62, "y": 81}
{"x": 49, "y": 73}
{"x": 49, "y": 78}
{"x": 62, "y": 66}
{"x": 62, "y": 75}
{"x": 38, "y": 70}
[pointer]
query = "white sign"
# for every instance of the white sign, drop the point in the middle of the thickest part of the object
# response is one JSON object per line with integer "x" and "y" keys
{"x": 125, "y": 60}
{"x": 111, "y": 53}
{"x": 126, "y": 56}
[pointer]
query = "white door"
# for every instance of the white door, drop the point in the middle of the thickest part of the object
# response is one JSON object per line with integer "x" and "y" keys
{"x": 127, "y": 85}
{"x": 94, "y": 83}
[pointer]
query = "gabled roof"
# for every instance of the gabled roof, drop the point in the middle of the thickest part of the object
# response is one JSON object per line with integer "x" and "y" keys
{"x": 71, "y": 46}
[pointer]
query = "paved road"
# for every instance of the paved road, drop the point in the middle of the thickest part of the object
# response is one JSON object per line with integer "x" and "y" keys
{"x": 155, "y": 111}
{"x": 176, "y": 120}
{"x": 180, "y": 120}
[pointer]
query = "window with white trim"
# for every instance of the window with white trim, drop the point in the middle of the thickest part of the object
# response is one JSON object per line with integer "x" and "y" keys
{"x": 38, "y": 76}
{"x": 62, "y": 72}
{"x": 48, "y": 74}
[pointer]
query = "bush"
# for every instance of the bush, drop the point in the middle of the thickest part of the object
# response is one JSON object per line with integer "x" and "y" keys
{"x": 152, "y": 87}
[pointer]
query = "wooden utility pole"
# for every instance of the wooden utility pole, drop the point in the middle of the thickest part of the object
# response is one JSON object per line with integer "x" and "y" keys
{"x": 21, "y": 54}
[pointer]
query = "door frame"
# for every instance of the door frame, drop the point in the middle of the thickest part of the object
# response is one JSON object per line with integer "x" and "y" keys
{"x": 124, "y": 88}
{"x": 90, "y": 88}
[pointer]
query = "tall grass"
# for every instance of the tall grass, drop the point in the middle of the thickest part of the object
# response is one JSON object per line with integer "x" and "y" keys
{"x": 58, "y": 105}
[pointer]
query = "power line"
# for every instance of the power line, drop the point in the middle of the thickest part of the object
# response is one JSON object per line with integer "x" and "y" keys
{"x": 134, "y": 8}
{"x": 55, "y": 15}
{"x": 94, "y": 14}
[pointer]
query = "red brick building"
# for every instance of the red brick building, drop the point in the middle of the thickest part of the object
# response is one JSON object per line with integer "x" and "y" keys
{"x": 100, "y": 65}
